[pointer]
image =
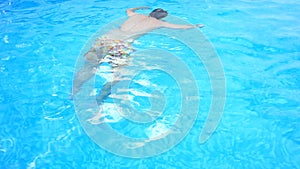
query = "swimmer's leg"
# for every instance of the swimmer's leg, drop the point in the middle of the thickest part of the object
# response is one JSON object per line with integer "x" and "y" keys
{"x": 105, "y": 91}
{"x": 88, "y": 71}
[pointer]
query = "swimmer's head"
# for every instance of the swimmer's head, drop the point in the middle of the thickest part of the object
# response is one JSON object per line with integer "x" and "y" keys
{"x": 158, "y": 13}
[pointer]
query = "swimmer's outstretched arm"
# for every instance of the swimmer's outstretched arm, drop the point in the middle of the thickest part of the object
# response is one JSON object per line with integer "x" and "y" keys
{"x": 175, "y": 26}
{"x": 131, "y": 12}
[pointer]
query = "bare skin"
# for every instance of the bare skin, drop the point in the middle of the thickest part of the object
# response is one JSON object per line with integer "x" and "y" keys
{"x": 135, "y": 26}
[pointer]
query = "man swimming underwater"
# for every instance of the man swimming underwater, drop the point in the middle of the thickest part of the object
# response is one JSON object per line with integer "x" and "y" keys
{"x": 115, "y": 46}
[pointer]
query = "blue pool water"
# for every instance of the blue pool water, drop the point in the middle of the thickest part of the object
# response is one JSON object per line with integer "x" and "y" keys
{"x": 257, "y": 43}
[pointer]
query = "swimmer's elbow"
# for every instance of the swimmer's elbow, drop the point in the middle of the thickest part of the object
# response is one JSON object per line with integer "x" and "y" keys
{"x": 130, "y": 12}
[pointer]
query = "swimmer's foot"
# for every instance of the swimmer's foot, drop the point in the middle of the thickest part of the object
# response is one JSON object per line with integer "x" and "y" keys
{"x": 97, "y": 119}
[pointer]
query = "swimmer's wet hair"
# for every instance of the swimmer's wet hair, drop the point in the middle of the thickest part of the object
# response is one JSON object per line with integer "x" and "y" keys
{"x": 158, "y": 13}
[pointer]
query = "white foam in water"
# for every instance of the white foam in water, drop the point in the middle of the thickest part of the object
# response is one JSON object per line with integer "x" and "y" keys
{"x": 22, "y": 45}
{"x": 5, "y": 39}
{"x": 32, "y": 164}
{"x": 105, "y": 71}
{"x": 157, "y": 131}
{"x": 143, "y": 82}
{"x": 139, "y": 93}
{"x": 5, "y": 58}
{"x": 121, "y": 97}
{"x": 93, "y": 92}
{"x": 161, "y": 126}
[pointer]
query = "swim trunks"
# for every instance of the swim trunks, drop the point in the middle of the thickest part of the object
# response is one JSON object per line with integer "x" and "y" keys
{"x": 115, "y": 52}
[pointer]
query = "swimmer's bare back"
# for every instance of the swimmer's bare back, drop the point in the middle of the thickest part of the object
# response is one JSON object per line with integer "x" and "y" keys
{"x": 135, "y": 26}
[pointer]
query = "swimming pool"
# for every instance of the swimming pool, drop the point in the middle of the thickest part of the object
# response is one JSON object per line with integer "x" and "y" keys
{"x": 257, "y": 43}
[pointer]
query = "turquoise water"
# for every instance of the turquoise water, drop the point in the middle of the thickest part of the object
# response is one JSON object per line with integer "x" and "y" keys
{"x": 257, "y": 42}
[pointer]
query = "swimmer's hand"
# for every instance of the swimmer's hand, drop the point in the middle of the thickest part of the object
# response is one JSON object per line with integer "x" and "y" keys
{"x": 131, "y": 11}
{"x": 199, "y": 25}
{"x": 138, "y": 8}
{"x": 142, "y": 7}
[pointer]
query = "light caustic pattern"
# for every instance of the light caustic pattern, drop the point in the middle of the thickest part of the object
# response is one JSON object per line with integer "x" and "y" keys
{"x": 124, "y": 107}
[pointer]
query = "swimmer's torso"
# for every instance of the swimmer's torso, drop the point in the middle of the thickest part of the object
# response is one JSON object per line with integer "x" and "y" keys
{"x": 115, "y": 46}
{"x": 134, "y": 27}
